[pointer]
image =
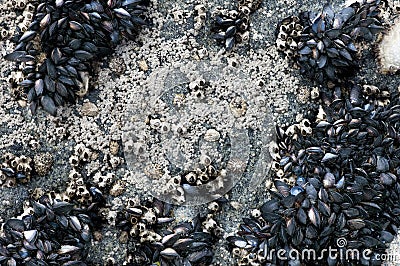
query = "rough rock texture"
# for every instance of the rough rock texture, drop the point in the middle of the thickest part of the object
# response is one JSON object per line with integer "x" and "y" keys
{"x": 165, "y": 57}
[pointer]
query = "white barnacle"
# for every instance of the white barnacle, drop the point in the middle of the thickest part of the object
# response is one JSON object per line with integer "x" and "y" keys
{"x": 150, "y": 217}
{"x": 314, "y": 93}
{"x": 291, "y": 130}
{"x": 205, "y": 160}
{"x": 213, "y": 206}
{"x": 164, "y": 127}
{"x": 74, "y": 160}
{"x": 256, "y": 213}
{"x": 200, "y": 8}
{"x": 180, "y": 129}
{"x": 321, "y": 116}
{"x": 305, "y": 127}
{"x": 236, "y": 252}
{"x": 238, "y": 107}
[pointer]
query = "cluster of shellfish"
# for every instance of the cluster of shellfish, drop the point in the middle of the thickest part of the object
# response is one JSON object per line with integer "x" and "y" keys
{"x": 339, "y": 179}
{"x": 19, "y": 169}
{"x": 185, "y": 243}
{"x": 58, "y": 50}
{"x": 77, "y": 185}
{"x": 49, "y": 232}
{"x": 15, "y": 169}
{"x": 231, "y": 26}
{"x": 324, "y": 44}
{"x": 339, "y": 182}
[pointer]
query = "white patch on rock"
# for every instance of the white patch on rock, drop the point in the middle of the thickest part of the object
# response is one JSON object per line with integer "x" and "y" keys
{"x": 389, "y": 55}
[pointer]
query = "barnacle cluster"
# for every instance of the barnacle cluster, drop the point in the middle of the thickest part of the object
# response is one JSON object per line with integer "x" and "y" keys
{"x": 77, "y": 187}
{"x": 200, "y": 15}
{"x": 103, "y": 181}
{"x": 81, "y": 155}
{"x": 23, "y": 19}
{"x": 202, "y": 174}
{"x": 231, "y": 26}
{"x": 185, "y": 243}
{"x": 15, "y": 169}
{"x": 57, "y": 52}
{"x": 324, "y": 44}
{"x": 178, "y": 188}
{"x": 205, "y": 174}
{"x": 340, "y": 181}
{"x": 49, "y": 232}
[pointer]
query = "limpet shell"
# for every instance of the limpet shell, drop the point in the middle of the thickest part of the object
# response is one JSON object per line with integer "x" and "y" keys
{"x": 212, "y": 135}
{"x": 89, "y": 109}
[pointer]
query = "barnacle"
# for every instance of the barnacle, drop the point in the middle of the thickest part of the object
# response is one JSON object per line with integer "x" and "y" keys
{"x": 323, "y": 44}
{"x": 57, "y": 51}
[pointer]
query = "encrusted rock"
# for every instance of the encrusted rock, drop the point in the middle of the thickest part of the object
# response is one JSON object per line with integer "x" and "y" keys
{"x": 303, "y": 95}
{"x": 42, "y": 163}
{"x": 117, "y": 189}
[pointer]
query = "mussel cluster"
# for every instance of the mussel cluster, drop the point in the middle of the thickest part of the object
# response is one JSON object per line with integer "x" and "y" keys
{"x": 323, "y": 44}
{"x": 340, "y": 182}
{"x": 231, "y": 26}
{"x": 15, "y": 169}
{"x": 149, "y": 243}
{"x": 58, "y": 50}
{"x": 78, "y": 187}
{"x": 50, "y": 232}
